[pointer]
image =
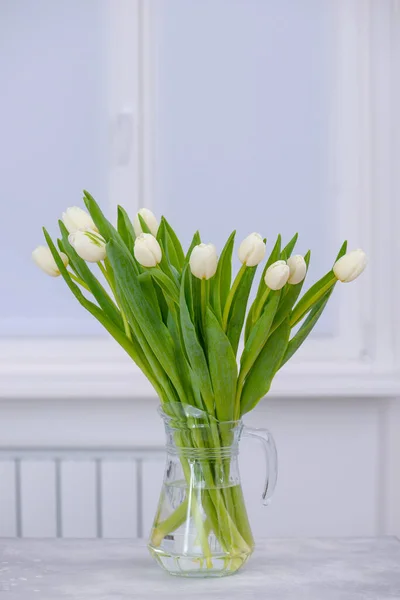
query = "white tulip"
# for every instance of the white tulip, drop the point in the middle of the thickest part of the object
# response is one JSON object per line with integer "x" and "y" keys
{"x": 203, "y": 261}
{"x": 147, "y": 250}
{"x": 252, "y": 250}
{"x": 277, "y": 275}
{"x": 89, "y": 245}
{"x": 150, "y": 220}
{"x": 298, "y": 269}
{"x": 45, "y": 261}
{"x": 350, "y": 266}
{"x": 76, "y": 219}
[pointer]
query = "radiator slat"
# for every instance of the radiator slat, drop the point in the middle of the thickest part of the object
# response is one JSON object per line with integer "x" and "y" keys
{"x": 38, "y": 498}
{"x": 153, "y": 472}
{"x": 119, "y": 498}
{"x": 78, "y": 493}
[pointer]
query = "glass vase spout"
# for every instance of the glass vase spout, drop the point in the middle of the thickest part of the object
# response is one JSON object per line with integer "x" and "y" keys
{"x": 201, "y": 527}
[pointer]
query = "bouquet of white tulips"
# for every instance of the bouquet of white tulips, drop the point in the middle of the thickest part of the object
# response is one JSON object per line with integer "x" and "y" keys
{"x": 180, "y": 317}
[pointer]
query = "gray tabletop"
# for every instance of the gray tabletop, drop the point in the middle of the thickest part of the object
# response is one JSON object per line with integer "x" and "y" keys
{"x": 322, "y": 569}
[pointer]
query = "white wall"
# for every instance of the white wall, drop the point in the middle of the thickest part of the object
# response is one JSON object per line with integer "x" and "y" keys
{"x": 53, "y": 118}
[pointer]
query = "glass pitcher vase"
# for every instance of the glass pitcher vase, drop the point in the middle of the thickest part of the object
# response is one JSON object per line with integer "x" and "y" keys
{"x": 201, "y": 527}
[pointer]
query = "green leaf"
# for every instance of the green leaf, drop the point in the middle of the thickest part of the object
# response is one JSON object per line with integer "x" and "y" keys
{"x": 237, "y": 312}
{"x": 260, "y": 377}
{"x": 91, "y": 281}
{"x": 342, "y": 251}
{"x": 315, "y": 292}
{"x": 306, "y": 327}
{"x": 125, "y": 228}
{"x": 149, "y": 289}
{"x": 165, "y": 264}
{"x": 174, "y": 243}
{"x": 221, "y": 282}
{"x": 249, "y": 323}
{"x": 62, "y": 248}
{"x": 289, "y": 299}
{"x": 184, "y": 370}
{"x": 194, "y": 350}
{"x": 196, "y": 298}
{"x": 312, "y": 318}
{"x": 288, "y": 249}
{"x": 223, "y": 368}
{"x": 169, "y": 287}
{"x": 104, "y": 226}
{"x": 259, "y": 334}
{"x": 312, "y": 296}
{"x": 195, "y": 242}
{"x": 273, "y": 257}
{"x": 143, "y": 224}
{"x": 131, "y": 347}
{"x": 188, "y": 288}
{"x": 153, "y": 328}
{"x": 159, "y": 373}
{"x": 168, "y": 247}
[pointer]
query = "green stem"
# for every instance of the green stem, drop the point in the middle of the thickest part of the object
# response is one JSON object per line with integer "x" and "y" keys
{"x": 231, "y": 296}
{"x": 223, "y": 522}
{"x": 239, "y": 389}
{"x": 196, "y": 510}
{"x": 170, "y": 524}
{"x": 241, "y": 518}
{"x": 260, "y": 306}
{"x": 203, "y": 304}
{"x": 78, "y": 280}
{"x": 297, "y": 315}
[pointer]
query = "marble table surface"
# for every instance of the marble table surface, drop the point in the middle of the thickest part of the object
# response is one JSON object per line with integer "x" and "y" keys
{"x": 314, "y": 569}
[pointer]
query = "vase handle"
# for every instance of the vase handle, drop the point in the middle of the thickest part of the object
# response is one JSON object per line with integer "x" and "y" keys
{"x": 265, "y": 437}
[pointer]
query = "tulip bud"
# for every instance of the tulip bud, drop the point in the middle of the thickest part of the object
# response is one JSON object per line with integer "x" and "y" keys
{"x": 147, "y": 250}
{"x": 277, "y": 275}
{"x": 89, "y": 245}
{"x": 150, "y": 220}
{"x": 43, "y": 257}
{"x": 203, "y": 261}
{"x": 298, "y": 269}
{"x": 350, "y": 266}
{"x": 76, "y": 219}
{"x": 252, "y": 250}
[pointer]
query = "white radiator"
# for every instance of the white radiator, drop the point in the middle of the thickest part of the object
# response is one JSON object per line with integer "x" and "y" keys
{"x": 79, "y": 493}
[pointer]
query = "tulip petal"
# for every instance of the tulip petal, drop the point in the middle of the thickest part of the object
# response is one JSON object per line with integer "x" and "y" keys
{"x": 196, "y": 240}
{"x": 273, "y": 257}
{"x": 289, "y": 299}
